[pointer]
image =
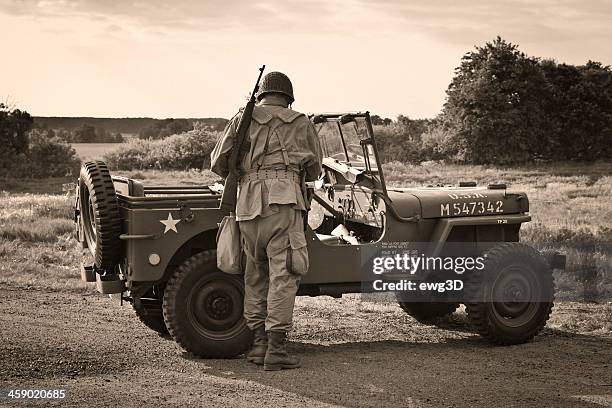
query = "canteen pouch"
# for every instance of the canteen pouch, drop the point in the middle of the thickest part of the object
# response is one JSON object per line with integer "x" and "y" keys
{"x": 229, "y": 249}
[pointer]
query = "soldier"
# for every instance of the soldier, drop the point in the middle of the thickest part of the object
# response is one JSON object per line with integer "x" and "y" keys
{"x": 283, "y": 153}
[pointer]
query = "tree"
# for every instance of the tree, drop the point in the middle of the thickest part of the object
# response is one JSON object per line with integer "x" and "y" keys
{"x": 165, "y": 128}
{"x": 402, "y": 140}
{"x": 580, "y": 110}
{"x": 494, "y": 109}
{"x": 48, "y": 157}
{"x": 14, "y": 125}
{"x": 175, "y": 127}
{"x": 117, "y": 138}
{"x": 102, "y": 135}
{"x": 85, "y": 134}
{"x": 27, "y": 152}
{"x": 64, "y": 135}
{"x": 378, "y": 121}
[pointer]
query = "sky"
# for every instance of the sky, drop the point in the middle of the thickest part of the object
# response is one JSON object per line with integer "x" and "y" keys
{"x": 199, "y": 58}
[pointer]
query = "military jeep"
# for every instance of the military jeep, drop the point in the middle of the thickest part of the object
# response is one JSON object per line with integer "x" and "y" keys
{"x": 156, "y": 245}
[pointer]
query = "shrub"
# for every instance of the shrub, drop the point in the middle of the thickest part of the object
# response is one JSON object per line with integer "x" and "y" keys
{"x": 43, "y": 158}
{"x": 52, "y": 158}
{"x": 396, "y": 144}
{"x": 189, "y": 150}
{"x": 411, "y": 141}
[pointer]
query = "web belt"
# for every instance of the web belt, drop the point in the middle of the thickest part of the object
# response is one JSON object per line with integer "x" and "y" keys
{"x": 271, "y": 175}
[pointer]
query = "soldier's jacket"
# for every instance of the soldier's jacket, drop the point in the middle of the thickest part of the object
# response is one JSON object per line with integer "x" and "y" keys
{"x": 287, "y": 128}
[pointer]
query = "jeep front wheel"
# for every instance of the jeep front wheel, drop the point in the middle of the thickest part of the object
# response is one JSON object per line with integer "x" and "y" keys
{"x": 203, "y": 309}
{"x": 513, "y": 294}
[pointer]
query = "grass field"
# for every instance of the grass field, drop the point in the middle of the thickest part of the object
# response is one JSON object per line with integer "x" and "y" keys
{"x": 93, "y": 151}
{"x": 570, "y": 205}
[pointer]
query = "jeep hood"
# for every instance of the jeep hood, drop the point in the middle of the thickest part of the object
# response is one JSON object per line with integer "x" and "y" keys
{"x": 444, "y": 202}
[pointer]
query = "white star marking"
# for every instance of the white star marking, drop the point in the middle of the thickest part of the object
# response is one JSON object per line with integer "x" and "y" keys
{"x": 170, "y": 223}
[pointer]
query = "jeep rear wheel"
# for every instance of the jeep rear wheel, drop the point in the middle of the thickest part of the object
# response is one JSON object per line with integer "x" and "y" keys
{"x": 424, "y": 312}
{"x": 203, "y": 309}
{"x": 149, "y": 310}
{"x": 515, "y": 294}
{"x": 99, "y": 214}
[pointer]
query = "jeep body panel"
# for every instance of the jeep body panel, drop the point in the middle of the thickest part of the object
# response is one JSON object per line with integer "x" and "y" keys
{"x": 448, "y": 202}
{"x": 163, "y": 226}
{"x": 187, "y": 215}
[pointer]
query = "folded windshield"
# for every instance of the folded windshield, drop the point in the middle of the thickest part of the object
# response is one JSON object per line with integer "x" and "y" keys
{"x": 343, "y": 142}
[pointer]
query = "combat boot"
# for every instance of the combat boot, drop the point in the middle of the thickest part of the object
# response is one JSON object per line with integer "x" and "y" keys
{"x": 276, "y": 356}
{"x": 260, "y": 346}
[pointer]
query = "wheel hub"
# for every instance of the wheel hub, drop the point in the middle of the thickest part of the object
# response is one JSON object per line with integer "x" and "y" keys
{"x": 513, "y": 295}
{"x": 215, "y": 305}
{"x": 219, "y": 305}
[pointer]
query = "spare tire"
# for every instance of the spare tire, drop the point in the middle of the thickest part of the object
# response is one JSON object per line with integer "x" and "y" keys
{"x": 99, "y": 214}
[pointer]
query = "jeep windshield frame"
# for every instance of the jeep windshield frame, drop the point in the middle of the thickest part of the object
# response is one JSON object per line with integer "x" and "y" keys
{"x": 354, "y": 143}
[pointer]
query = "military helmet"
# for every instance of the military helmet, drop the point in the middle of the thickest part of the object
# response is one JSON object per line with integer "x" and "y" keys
{"x": 276, "y": 82}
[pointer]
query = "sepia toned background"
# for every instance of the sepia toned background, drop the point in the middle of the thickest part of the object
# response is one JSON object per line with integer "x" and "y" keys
{"x": 193, "y": 58}
{"x": 500, "y": 91}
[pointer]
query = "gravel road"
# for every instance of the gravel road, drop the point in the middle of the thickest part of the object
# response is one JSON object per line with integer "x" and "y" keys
{"x": 355, "y": 354}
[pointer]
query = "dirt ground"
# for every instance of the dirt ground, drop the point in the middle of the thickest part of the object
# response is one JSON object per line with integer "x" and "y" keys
{"x": 355, "y": 354}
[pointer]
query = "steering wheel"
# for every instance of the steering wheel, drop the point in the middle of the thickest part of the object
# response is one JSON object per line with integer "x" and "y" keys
{"x": 356, "y": 151}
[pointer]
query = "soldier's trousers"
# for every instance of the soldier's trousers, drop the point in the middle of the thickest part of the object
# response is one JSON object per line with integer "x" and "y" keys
{"x": 277, "y": 257}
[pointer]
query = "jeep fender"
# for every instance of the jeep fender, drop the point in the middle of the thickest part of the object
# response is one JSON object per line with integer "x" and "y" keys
{"x": 444, "y": 226}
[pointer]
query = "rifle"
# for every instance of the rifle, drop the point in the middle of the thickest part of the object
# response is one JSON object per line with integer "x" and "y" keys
{"x": 230, "y": 189}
